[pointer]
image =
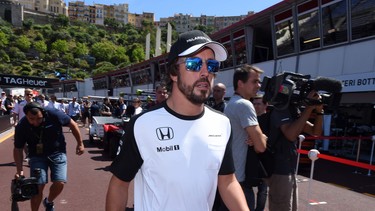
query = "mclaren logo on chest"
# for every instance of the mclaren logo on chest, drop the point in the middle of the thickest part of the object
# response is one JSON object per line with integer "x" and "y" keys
{"x": 164, "y": 133}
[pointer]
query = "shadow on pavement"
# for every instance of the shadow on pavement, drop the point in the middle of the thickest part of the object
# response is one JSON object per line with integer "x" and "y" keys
{"x": 8, "y": 164}
{"x": 104, "y": 169}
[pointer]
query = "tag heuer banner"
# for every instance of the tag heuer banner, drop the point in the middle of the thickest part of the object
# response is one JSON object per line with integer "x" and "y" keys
{"x": 23, "y": 81}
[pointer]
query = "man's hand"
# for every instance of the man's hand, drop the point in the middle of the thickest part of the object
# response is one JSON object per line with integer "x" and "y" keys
{"x": 80, "y": 149}
{"x": 18, "y": 175}
{"x": 314, "y": 95}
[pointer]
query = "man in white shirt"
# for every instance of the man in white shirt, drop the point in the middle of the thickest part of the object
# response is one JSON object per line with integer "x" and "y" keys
{"x": 18, "y": 109}
{"x": 74, "y": 109}
{"x": 137, "y": 105}
{"x": 54, "y": 104}
{"x": 42, "y": 100}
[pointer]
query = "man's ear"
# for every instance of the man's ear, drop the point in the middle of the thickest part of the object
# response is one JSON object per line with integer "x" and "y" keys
{"x": 173, "y": 78}
{"x": 239, "y": 84}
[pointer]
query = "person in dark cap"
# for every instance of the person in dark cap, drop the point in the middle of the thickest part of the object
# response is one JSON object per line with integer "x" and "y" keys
{"x": 42, "y": 130}
{"x": 179, "y": 152}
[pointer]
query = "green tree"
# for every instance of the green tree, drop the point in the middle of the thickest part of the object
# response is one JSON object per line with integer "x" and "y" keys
{"x": 80, "y": 50}
{"x": 103, "y": 67}
{"x": 16, "y": 54}
{"x": 92, "y": 29}
{"x": 68, "y": 58}
{"x": 80, "y": 75}
{"x": 136, "y": 53}
{"x": 79, "y": 44}
{"x": 81, "y": 63}
{"x": 122, "y": 39}
{"x": 4, "y": 57}
{"x": 120, "y": 56}
{"x": 6, "y": 68}
{"x": 40, "y": 46}
{"x": 26, "y": 69}
{"x": 112, "y": 23}
{"x": 38, "y": 36}
{"x": 28, "y": 24}
{"x": 102, "y": 33}
{"x": 61, "y": 21}
{"x": 59, "y": 35}
{"x": 133, "y": 36}
{"x": 103, "y": 51}
{"x": 60, "y": 46}
{"x": 53, "y": 55}
{"x": 4, "y": 40}
{"x": 23, "y": 43}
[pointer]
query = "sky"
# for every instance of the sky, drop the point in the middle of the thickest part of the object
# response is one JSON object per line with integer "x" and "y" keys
{"x": 196, "y": 8}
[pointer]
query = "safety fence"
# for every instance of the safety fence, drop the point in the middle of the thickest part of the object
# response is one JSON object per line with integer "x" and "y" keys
{"x": 369, "y": 166}
{"x": 6, "y": 122}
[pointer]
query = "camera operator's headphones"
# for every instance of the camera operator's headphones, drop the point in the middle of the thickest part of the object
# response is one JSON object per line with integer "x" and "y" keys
{"x": 32, "y": 105}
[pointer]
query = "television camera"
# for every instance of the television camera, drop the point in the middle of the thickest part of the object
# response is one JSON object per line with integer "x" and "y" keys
{"x": 23, "y": 188}
{"x": 290, "y": 88}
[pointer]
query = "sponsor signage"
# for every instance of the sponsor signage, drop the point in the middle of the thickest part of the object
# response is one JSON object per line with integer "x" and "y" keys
{"x": 23, "y": 81}
{"x": 168, "y": 148}
{"x": 364, "y": 82}
{"x": 164, "y": 133}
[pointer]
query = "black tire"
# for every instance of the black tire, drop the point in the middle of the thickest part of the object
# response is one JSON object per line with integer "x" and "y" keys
{"x": 91, "y": 139}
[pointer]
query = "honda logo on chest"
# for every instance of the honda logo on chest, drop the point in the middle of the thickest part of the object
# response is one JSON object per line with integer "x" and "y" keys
{"x": 164, "y": 133}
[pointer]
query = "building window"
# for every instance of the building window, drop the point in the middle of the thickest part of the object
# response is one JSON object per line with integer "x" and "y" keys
{"x": 100, "y": 84}
{"x": 363, "y": 18}
{"x": 334, "y": 16}
{"x": 308, "y": 25}
{"x": 141, "y": 77}
{"x": 229, "y": 61}
{"x": 120, "y": 81}
{"x": 284, "y": 28}
{"x": 161, "y": 75}
{"x": 227, "y": 44}
{"x": 240, "y": 49}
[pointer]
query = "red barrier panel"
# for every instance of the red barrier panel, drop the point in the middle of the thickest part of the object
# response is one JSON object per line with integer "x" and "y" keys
{"x": 341, "y": 160}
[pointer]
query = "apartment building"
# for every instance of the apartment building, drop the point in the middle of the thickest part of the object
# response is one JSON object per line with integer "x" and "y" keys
{"x": 136, "y": 19}
{"x": 186, "y": 22}
{"x": 47, "y": 6}
{"x": 76, "y": 10}
{"x": 97, "y": 13}
{"x": 121, "y": 12}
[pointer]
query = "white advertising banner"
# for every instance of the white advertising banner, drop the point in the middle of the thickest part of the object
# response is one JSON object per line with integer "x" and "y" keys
{"x": 364, "y": 82}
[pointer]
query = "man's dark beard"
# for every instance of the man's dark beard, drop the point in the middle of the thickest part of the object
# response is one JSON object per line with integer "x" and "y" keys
{"x": 188, "y": 91}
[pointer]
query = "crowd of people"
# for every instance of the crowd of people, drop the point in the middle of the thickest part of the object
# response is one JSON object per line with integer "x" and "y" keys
{"x": 80, "y": 109}
{"x": 207, "y": 143}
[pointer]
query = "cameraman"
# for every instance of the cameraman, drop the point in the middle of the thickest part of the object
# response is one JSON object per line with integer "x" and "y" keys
{"x": 41, "y": 129}
{"x": 285, "y": 127}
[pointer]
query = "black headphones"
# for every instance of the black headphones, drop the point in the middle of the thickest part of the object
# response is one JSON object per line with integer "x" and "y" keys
{"x": 32, "y": 105}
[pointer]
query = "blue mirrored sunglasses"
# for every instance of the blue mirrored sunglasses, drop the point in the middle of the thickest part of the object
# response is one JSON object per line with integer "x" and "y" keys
{"x": 195, "y": 64}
